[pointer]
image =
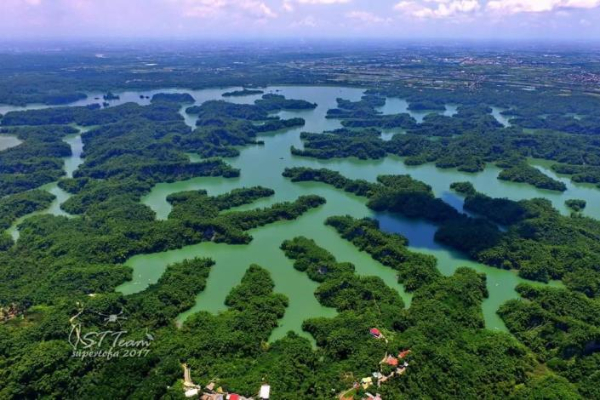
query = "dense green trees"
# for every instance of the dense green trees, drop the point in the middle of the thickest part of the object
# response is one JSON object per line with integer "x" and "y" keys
{"x": 87, "y": 251}
{"x": 131, "y": 149}
{"x": 579, "y": 173}
{"x": 203, "y": 214}
{"x": 414, "y": 269}
{"x": 301, "y": 174}
{"x": 199, "y": 204}
{"x": 277, "y": 102}
{"x": 36, "y": 161}
{"x": 92, "y": 115}
{"x": 243, "y": 92}
{"x": 576, "y": 204}
{"x": 6, "y": 241}
{"x": 363, "y": 144}
{"x": 59, "y": 261}
{"x": 216, "y": 137}
{"x": 561, "y": 327}
{"x": 589, "y": 125}
{"x": 467, "y": 141}
{"x": 539, "y": 242}
{"x": 19, "y": 205}
{"x": 41, "y": 366}
{"x": 396, "y": 193}
{"x": 174, "y": 293}
{"x": 501, "y": 211}
{"x": 525, "y": 173}
{"x": 363, "y": 114}
{"x": 364, "y": 108}
{"x": 218, "y": 113}
{"x": 451, "y": 355}
{"x": 467, "y": 119}
{"x": 222, "y": 109}
{"x": 465, "y": 188}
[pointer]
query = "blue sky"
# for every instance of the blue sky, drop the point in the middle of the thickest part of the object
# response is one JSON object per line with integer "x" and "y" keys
{"x": 392, "y": 19}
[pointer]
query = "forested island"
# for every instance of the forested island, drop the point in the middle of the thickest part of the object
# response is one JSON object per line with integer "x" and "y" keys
{"x": 312, "y": 241}
{"x": 243, "y": 92}
{"x": 525, "y": 173}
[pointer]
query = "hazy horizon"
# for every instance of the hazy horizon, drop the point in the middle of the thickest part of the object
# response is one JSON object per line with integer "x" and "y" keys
{"x": 284, "y": 19}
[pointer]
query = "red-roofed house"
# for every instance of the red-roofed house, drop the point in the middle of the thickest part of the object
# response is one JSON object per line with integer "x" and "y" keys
{"x": 404, "y": 353}
{"x": 375, "y": 332}
{"x": 393, "y": 361}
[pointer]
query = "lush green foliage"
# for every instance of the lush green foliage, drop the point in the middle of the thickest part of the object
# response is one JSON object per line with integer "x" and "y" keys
{"x": 243, "y": 92}
{"x": 363, "y": 144}
{"x": 276, "y": 102}
{"x": 414, "y": 269}
{"x": 466, "y": 141}
{"x": 562, "y": 328}
{"x": 538, "y": 241}
{"x": 59, "y": 261}
{"x": 541, "y": 243}
{"x": 36, "y": 161}
{"x": 451, "y": 356}
{"x": 579, "y": 173}
{"x": 576, "y": 204}
{"x": 18, "y": 205}
{"x": 525, "y": 173}
{"x": 465, "y": 188}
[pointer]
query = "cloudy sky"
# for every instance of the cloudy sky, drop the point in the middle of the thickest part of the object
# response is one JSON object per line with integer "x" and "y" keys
{"x": 394, "y": 19}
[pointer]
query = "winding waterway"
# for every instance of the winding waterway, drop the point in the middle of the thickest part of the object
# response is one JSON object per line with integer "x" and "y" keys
{"x": 71, "y": 164}
{"x": 263, "y": 165}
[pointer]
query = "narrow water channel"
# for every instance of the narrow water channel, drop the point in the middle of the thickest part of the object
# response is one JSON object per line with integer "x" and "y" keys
{"x": 71, "y": 164}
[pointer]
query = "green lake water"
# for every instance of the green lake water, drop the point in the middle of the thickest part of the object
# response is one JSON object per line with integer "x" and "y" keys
{"x": 263, "y": 165}
{"x": 8, "y": 141}
{"x": 497, "y": 113}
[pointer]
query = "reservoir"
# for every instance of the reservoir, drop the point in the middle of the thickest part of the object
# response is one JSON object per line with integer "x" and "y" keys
{"x": 263, "y": 165}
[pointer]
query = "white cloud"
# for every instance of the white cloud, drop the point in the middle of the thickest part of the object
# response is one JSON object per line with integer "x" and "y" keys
{"x": 213, "y": 8}
{"x": 538, "y": 6}
{"x": 366, "y": 17}
{"x": 323, "y": 1}
{"x": 437, "y": 8}
{"x": 258, "y": 8}
{"x": 456, "y": 8}
{"x": 287, "y": 6}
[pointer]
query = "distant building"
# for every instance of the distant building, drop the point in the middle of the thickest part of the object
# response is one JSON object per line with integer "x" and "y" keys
{"x": 192, "y": 393}
{"x": 265, "y": 392}
{"x": 393, "y": 361}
